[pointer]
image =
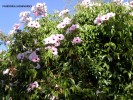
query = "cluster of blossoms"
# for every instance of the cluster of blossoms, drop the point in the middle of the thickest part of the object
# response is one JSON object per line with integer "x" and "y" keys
{"x": 72, "y": 28}
{"x": 25, "y": 16}
{"x": 40, "y": 9}
{"x": 55, "y": 41}
{"x": 118, "y": 1}
{"x": 100, "y": 19}
{"x": 66, "y": 21}
{"x": 63, "y": 13}
{"x": 32, "y": 57}
{"x": 14, "y": 30}
{"x": 33, "y": 24}
{"x": 88, "y": 3}
{"x": 32, "y": 86}
{"x": 128, "y": 5}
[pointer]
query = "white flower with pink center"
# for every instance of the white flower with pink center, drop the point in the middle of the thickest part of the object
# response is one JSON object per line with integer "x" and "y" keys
{"x": 126, "y": 4}
{"x": 61, "y": 25}
{"x": 39, "y": 5}
{"x": 86, "y": 3}
{"x": 47, "y": 40}
{"x": 118, "y": 1}
{"x": 37, "y": 25}
{"x": 33, "y": 24}
{"x": 54, "y": 39}
{"x": 76, "y": 40}
{"x": 98, "y": 20}
{"x": 24, "y": 14}
{"x": 105, "y": 17}
{"x": 16, "y": 26}
{"x": 131, "y": 4}
{"x": 40, "y": 9}
{"x": 54, "y": 50}
{"x": 111, "y": 14}
{"x": 57, "y": 43}
{"x": 67, "y": 20}
{"x": 60, "y": 36}
{"x": 63, "y": 13}
{"x": 72, "y": 28}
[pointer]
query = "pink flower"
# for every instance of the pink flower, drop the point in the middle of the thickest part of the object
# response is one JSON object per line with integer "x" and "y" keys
{"x": 111, "y": 14}
{"x": 72, "y": 28}
{"x": 32, "y": 86}
{"x": 54, "y": 50}
{"x": 33, "y": 57}
{"x": 131, "y": 4}
{"x": 63, "y": 13}
{"x": 20, "y": 56}
{"x": 86, "y": 3}
{"x": 16, "y": 26}
{"x": 61, "y": 25}
{"x": 39, "y": 9}
{"x": 54, "y": 39}
{"x": 47, "y": 40}
{"x": 33, "y": 24}
{"x": 37, "y": 25}
{"x": 118, "y": 1}
{"x": 24, "y": 14}
{"x": 60, "y": 36}
{"x": 98, "y": 20}
{"x": 67, "y": 20}
{"x": 57, "y": 43}
{"x": 48, "y": 47}
{"x": 68, "y": 31}
{"x": 105, "y": 17}
{"x": 76, "y": 40}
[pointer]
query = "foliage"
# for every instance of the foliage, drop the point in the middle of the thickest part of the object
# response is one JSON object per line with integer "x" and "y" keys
{"x": 98, "y": 68}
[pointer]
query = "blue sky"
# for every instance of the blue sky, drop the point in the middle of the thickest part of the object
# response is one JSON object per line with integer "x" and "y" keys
{"x": 10, "y": 15}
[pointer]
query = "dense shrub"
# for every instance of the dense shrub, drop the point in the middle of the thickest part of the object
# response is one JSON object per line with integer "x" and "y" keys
{"x": 87, "y": 56}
